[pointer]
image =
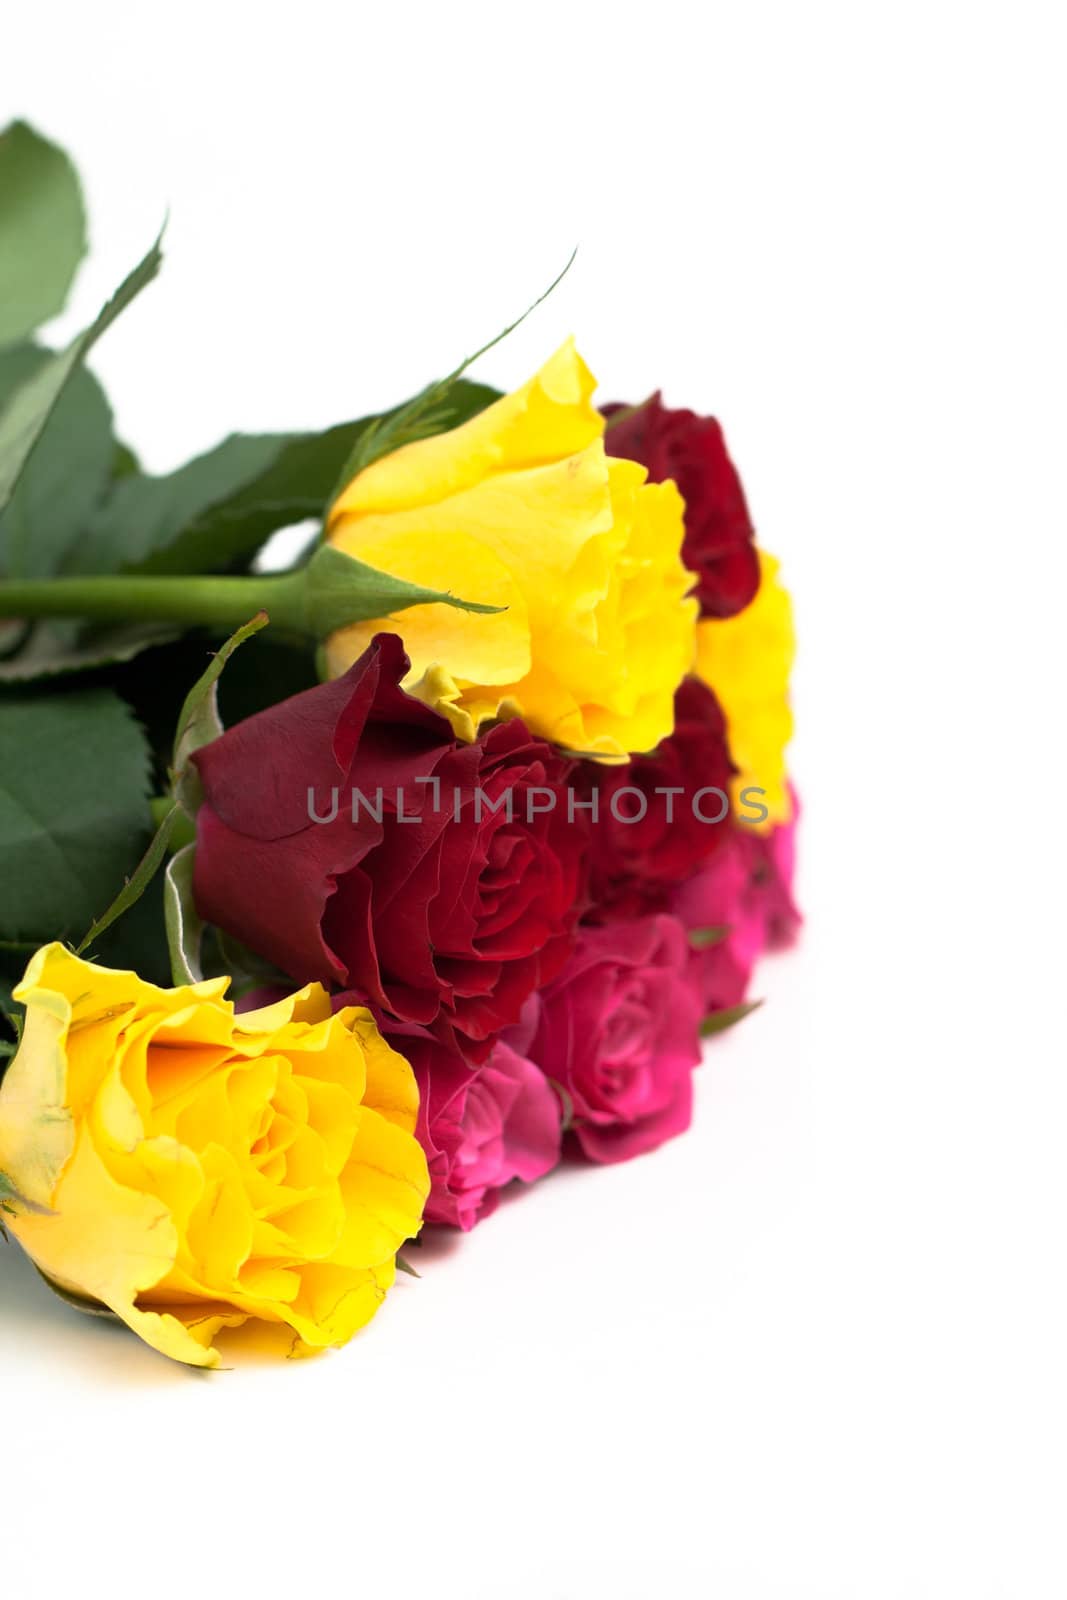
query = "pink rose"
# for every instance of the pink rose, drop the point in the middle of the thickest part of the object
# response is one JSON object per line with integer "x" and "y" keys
{"x": 619, "y": 1030}
{"x": 717, "y": 903}
{"x": 772, "y": 859}
{"x": 746, "y": 890}
{"x": 480, "y": 1127}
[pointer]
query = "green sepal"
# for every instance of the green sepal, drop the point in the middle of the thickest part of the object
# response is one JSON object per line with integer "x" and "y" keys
{"x": 438, "y": 408}
{"x": 719, "y": 1021}
{"x": 80, "y": 1302}
{"x": 246, "y": 969}
{"x": 338, "y": 590}
{"x": 137, "y": 882}
{"x": 185, "y": 929}
{"x": 435, "y": 409}
{"x": 199, "y": 722}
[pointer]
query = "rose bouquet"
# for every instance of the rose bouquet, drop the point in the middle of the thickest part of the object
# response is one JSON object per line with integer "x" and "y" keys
{"x": 336, "y": 899}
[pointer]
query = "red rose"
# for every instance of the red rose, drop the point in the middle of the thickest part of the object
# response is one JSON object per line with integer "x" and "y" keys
{"x": 662, "y": 816}
{"x": 480, "y": 1127}
{"x": 619, "y": 1031}
{"x": 718, "y": 529}
{"x": 347, "y": 837}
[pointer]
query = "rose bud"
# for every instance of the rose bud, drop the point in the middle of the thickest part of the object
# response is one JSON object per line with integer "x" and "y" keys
{"x": 441, "y": 880}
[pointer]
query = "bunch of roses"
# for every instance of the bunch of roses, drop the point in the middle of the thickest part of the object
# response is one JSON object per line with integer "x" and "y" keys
{"x": 516, "y": 913}
{"x": 518, "y": 850}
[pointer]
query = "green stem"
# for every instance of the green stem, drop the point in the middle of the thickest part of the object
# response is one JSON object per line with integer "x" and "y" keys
{"x": 211, "y": 602}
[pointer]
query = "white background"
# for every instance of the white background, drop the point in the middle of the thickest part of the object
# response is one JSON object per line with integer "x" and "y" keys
{"x": 817, "y": 1348}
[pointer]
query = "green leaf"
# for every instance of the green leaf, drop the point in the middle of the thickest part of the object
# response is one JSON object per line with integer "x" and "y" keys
{"x": 124, "y": 462}
{"x": 58, "y": 649}
{"x": 719, "y": 1021}
{"x": 73, "y": 809}
{"x": 145, "y": 514}
{"x": 25, "y": 416}
{"x": 185, "y": 930}
{"x": 702, "y": 938}
{"x": 42, "y": 230}
{"x": 199, "y": 722}
{"x": 67, "y": 474}
{"x": 215, "y": 512}
{"x": 293, "y": 485}
{"x": 341, "y": 590}
{"x": 429, "y": 411}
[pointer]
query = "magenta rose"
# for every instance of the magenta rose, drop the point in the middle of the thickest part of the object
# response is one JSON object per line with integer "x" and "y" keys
{"x": 772, "y": 869}
{"x": 346, "y": 836}
{"x": 743, "y": 900}
{"x": 618, "y": 1029}
{"x": 660, "y": 817}
{"x": 717, "y": 907}
{"x": 718, "y": 546}
{"x": 480, "y": 1127}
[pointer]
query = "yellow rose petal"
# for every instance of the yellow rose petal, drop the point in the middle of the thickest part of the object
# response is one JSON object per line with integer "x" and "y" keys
{"x": 747, "y": 660}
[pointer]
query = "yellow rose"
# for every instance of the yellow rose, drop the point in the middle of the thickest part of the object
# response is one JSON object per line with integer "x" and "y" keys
{"x": 520, "y": 507}
{"x": 747, "y": 660}
{"x": 190, "y": 1168}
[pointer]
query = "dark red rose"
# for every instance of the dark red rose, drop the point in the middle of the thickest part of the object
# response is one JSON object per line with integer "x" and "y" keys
{"x": 718, "y": 529}
{"x": 480, "y": 1127}
{"x": 644, "y": 842}
{"x": 619, "y": 1031}
{"x": 414, "y": 892}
